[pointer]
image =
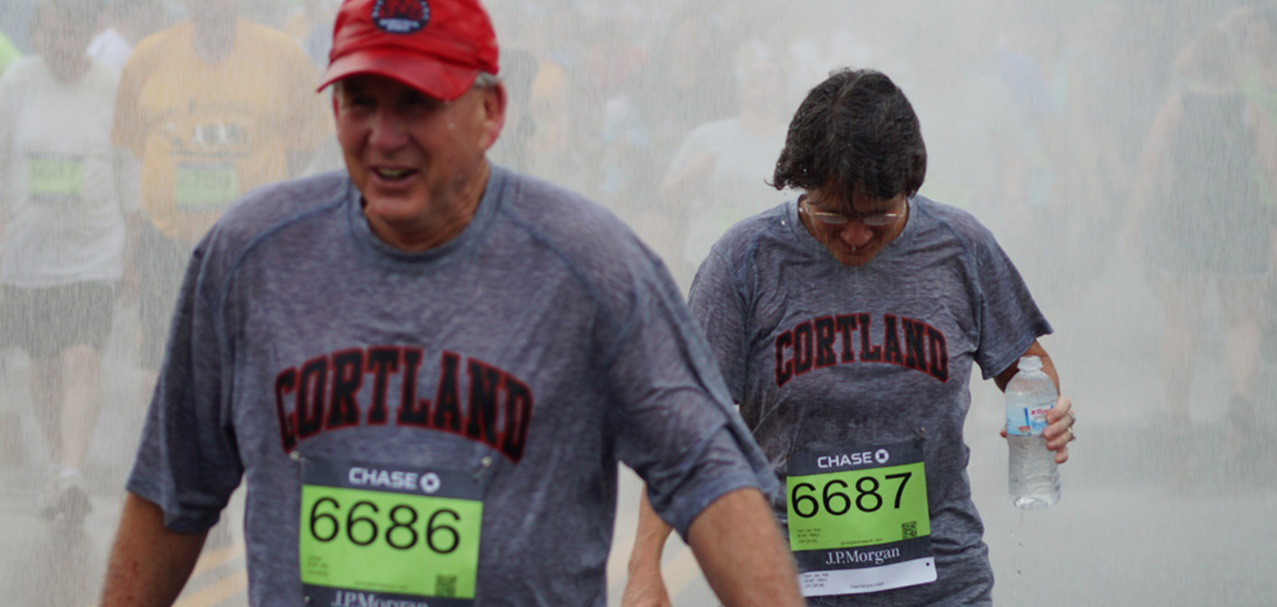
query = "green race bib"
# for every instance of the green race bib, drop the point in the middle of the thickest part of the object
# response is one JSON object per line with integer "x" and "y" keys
{"x": 205, "y": 186}
{"x": 54, "y": 178}
{"x": 377, "y": 534}
{"x": 858, "y": 519}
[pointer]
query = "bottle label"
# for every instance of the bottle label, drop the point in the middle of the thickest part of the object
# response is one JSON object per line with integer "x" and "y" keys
{"x": 1028, "y": 421}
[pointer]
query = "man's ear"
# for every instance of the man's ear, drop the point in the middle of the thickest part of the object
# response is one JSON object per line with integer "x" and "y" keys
{"x": 493, "y": 104}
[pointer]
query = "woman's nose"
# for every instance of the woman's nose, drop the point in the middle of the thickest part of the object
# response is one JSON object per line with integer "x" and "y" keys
{"x": 855, "y": 233}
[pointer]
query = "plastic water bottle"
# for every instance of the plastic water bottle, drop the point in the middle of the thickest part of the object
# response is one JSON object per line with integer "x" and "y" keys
{"x": 1033, "y": 478}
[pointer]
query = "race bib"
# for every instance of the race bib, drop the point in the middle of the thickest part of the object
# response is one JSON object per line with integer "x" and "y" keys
{"x": 387, "y": 535}
{"x": 204, "y": 186}
{"x": 858, "y": 519}
{"x": 54, "y": 178}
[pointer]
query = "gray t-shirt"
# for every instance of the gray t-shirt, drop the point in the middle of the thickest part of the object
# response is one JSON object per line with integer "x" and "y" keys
{"x": 822, "y": 356}
{"x": 534, "y": 351}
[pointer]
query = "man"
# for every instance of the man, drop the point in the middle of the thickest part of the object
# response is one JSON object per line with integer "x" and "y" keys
{"x": 212, "y": 107}
{"x": 62, "y": 235}
{"x": 712, "y": 181}
{"x": 427, "y": 367}
{"x": 846, "y": 324}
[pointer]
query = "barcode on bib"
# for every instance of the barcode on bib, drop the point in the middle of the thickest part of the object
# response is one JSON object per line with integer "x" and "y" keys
{"x": 445, "y": 585}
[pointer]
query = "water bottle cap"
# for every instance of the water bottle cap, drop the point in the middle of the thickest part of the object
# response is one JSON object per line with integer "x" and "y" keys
{"x": 1030, "y": 362}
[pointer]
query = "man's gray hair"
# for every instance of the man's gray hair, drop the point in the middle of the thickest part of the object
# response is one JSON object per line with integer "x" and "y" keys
{"x": 485, "y": 80}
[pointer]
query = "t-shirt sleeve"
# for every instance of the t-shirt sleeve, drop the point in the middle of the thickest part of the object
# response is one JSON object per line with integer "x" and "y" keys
{"x": 129, "y": 128}
{"x": 1009, "y": 318}
{"x": 188, "y": 462}
{"x": 718, "y": 305}
{"x": 675, "y": 424}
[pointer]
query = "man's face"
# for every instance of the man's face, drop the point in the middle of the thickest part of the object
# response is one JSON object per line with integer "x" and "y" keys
{"x": 861, "y": 229}
{"x": 61, "y": 39}
{"x": 418, "y": 161}
{"x": 214, "y": 15}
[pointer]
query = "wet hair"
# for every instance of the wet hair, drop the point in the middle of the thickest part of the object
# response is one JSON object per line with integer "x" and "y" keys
{"x": 854, "y": 129}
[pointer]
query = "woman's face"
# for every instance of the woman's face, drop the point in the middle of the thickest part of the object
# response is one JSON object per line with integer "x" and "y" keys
{"x": 853, "y": 232}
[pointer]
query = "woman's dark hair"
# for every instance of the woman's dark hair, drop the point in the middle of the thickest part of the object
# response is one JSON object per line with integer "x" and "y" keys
{"x": 855, "y": 128}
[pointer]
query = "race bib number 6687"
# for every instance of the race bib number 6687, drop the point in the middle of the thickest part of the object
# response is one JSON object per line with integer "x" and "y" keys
{"x": 858, "y": 519}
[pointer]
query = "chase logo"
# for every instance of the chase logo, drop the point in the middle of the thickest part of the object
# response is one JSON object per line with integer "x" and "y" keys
{"x": 376, "y": 478}
{"x": 400, "y": 16}
{"x": 430, "y": 482}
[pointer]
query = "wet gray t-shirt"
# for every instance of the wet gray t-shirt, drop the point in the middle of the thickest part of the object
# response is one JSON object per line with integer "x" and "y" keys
{"x": 822, "y": 356}
{"x": 530, "y": 354}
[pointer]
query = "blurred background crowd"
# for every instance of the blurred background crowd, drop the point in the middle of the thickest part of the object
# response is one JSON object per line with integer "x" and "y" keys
{"x": 1050, "y": 121}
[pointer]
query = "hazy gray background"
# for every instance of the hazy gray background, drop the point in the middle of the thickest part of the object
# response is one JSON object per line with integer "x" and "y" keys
{"x": 1035, "y": 115}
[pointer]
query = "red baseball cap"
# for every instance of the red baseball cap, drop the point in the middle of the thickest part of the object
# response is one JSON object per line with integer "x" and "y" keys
{"x": 435, "y": 46}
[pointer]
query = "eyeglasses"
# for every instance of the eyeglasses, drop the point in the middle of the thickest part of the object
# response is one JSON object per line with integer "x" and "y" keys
{"x": 877, "y": 220}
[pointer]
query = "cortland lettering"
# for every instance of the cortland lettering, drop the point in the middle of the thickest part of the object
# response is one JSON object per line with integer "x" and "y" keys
{"x": 850, "y": 338}
{"x": 354, "y": 387}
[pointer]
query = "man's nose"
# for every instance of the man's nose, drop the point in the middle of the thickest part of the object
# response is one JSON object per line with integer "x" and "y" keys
{"x": 389, "y": 130}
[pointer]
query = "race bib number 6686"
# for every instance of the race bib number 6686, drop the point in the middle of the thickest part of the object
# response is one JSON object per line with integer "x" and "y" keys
{"x": 388, "y": 533}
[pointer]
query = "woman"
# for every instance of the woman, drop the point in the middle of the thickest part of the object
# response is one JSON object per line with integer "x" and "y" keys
{"x": 846, "y": 324}
{"x": 1199, "y": 217}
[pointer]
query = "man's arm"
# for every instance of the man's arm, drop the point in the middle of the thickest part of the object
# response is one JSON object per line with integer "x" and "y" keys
{"x": 149, "y": 564}
{"x": 645, "y": 587}
{"x": 128, "y": 192}
{"x": 742, "y": 554}
{"x": 1150, "y": 172}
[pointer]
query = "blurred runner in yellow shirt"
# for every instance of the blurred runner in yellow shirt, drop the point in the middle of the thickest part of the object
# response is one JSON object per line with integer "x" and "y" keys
{"x": 213, "y": 107}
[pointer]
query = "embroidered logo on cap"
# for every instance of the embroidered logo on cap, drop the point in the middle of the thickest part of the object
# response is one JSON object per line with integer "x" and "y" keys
{"x": 400, "y": 16}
